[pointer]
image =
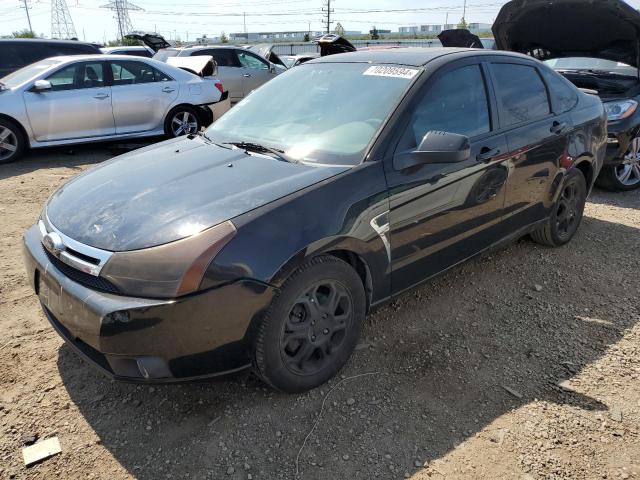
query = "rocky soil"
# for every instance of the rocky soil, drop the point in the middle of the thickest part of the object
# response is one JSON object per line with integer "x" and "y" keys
{"x": 524, "y": 364}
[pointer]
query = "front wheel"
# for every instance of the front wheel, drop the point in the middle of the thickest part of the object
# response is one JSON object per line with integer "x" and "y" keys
{"x": 182, "y": 120}
{"x": 566, "y": 214}
{"x": 312, "y": 327}
{"x": 625, "y": 176}
{"x": 12, "y": 141}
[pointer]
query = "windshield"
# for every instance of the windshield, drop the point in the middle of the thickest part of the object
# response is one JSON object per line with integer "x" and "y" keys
{"x": 27, "y": 73}
{"x": 337, "y": 110}
{"x": 586, "y": 63}
{"x": 162, "y": 55}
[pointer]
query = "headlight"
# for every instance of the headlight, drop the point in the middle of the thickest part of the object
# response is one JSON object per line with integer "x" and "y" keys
{"x": 170, "y": 270}
{"x": 620, "y": 109}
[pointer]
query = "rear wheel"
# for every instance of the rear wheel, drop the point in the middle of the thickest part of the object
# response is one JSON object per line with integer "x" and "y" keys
{"x": 566, "y": 214}
{"x": 12, "y": 141}
{"x": 312, "y": 326}
{"x": 626, "y": 176}
{"x": 182, "y": 120}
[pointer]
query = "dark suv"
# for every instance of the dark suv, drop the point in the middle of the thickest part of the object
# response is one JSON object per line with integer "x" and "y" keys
{"x": 16, "y": 53}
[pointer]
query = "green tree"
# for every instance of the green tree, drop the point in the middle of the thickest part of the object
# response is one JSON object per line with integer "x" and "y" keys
{"x": 339, "y": 29}
{"x": 374, "y": 33}
{"x": 26, "y": 33}
{"x": 306, "y": 37}
{"x": 224, "y": 38}
{"x": 463, "y": 24}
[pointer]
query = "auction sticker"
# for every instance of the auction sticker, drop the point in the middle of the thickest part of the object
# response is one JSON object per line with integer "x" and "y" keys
{"x": 391, "y": 71}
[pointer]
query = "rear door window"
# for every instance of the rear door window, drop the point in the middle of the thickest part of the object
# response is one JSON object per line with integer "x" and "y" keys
{"x": 127, "y": 72}
{"x": 521, "y": 93}
{"x": 563, "y": 93}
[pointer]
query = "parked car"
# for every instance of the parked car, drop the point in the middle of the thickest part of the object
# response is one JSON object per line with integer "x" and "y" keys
{"x": 239, "y": 70}
{"x": 78, "y": 99}
{"x": 135, "y": 51}
{"x": 291, "y": 61}
{"x": 265, "y": 240}
{"x": 16, "y": 53}
{"x": 595, "y": 46}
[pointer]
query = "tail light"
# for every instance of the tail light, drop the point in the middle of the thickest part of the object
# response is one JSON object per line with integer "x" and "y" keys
{"x": 220, "y": 87}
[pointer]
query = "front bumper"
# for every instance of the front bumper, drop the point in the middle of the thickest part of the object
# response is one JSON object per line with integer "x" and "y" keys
{"x": 620, "y": 135}
{"x": 148, "y": 340}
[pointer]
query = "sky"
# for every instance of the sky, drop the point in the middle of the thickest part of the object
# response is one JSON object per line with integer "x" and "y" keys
{"x": 190, "y": 19}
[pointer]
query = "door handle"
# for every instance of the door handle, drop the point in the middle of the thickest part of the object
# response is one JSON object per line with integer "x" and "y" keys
{"x": 558, "y": 127}
{"x": 101, "y": 96}
{"x": 486, "y": 154}
{"x": 246, "y": 75}
{"x": 168, "y": 89}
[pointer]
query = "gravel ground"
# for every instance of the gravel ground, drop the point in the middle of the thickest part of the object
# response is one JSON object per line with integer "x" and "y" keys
{"x": 524, "y": 363}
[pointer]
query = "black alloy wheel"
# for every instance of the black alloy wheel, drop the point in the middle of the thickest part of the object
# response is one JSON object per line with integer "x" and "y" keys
{"x": 312, "y": 326}
{"x": 566, "y": 214}
{"x": 316, "y": 327}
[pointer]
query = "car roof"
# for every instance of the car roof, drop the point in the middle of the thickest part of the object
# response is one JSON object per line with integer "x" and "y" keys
{"x": 46, "y": 40}
{"x": 411, "y": 56}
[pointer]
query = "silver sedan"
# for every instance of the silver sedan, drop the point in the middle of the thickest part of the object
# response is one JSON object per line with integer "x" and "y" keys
{"x": 78, "y": 99}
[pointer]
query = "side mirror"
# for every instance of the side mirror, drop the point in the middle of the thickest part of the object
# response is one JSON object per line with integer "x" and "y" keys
{"x": 436, "y": 147}
{"x": 41, "y": 86}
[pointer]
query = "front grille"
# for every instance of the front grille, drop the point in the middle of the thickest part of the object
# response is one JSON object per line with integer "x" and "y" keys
{"x": 89, "y": 281}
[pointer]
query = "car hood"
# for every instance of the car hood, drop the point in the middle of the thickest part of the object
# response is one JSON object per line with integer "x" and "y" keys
{"x": 154, "y": 41}
{"x": 170, "y": 191}
{"x": 545, "y": 29}
{"x": 265, "y": 50}
{"x": 459, "y": 38}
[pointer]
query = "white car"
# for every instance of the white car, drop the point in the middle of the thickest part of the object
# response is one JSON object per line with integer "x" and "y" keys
{"x": 78, "y": 99}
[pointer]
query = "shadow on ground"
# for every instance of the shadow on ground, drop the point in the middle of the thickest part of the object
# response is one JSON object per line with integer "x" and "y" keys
{"x": 451, "y": 357}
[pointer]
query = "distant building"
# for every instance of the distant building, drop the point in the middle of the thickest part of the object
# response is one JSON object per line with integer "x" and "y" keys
{"x": 430, "y": 29}
{"x": 295, "y": 36}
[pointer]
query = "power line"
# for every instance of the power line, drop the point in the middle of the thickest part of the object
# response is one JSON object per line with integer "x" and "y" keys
{"x": 61, "y": 24}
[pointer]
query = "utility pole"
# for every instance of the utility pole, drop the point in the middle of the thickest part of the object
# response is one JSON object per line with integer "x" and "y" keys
{"x": 26, "y": 9}
{"x": 464, "y": 11}
{"x": 328, "y": 10}
{"x": 122, "y": 7}
{"x": 244, "y": 20}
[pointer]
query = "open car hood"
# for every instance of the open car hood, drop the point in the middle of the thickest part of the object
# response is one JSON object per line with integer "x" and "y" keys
{"x": 154, "y": 41}
{"x": 545, "y": 29}
{"x": 265, "y": 50}
{"x": 331, "y": 44}
{"x": 201, "y": 65}
{"x": 460, "y": 37}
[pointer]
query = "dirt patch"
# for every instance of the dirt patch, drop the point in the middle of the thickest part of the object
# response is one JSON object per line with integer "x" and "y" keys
{"x": 524, "y": 363}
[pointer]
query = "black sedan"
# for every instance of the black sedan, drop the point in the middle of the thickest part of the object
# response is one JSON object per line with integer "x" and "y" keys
{"x": 264, "y": 241}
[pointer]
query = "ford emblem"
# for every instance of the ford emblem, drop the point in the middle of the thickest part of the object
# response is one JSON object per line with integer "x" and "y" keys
{"x": 53, "y": 243}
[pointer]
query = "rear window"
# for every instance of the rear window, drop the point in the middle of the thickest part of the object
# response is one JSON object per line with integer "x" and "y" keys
{"x": 522, "y": 96}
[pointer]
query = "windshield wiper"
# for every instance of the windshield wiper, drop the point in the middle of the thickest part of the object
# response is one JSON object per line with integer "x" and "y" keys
{"x": 256, "y": 147}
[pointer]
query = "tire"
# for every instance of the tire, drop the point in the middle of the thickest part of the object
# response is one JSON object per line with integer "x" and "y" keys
{"x": 620, "y": 178}
{"x": 305, "y": 338}
{"x": 188, "y": 119}
{"x": 566, "y": 214}
{"x": 12, "y": 141}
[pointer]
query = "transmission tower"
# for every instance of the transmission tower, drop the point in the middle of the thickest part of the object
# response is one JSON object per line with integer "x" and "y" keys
{"x": 122, "y": 7}
{"x": 61, "y": 23}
